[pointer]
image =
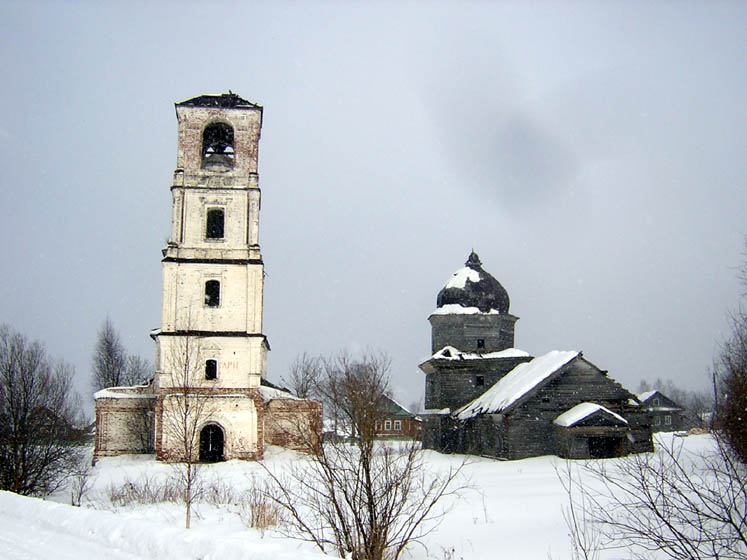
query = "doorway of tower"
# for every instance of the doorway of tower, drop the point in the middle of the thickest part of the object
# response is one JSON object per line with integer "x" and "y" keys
{"x": 211, "y": 444}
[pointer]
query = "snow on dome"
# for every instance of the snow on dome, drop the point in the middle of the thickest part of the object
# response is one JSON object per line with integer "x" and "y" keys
{"x": 456, "y": 309}
{"x": 581, "y": 411}
{"x": 460, "y": 277}
{"x": 472, "y": 287}
{"x": 517, "y": 382}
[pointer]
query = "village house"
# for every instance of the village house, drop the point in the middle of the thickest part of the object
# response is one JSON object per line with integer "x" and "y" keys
{"x": 667, "y": 415}
{"x": 211, "y": 351}
{"x": 485, "y": 397}
{"x": 396, "y": 422}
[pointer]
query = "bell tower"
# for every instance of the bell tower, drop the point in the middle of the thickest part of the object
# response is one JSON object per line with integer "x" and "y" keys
{"x": 210, "y": 399}
{"x": 212, "y": 264}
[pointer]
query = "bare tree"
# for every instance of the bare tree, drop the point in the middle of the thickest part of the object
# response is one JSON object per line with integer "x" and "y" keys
{"x": 364, "y": 499}
{"x": 303, "y": 375}
{"x": 112, "y": 366}
{"x": 184, "y": 410}
{"x": 109, "y": 358}
{"x": 40, "y": 421}
{"x": 138, "y": 371}
{"x": 731, "y": 376}
{"x": 683, "y": 506}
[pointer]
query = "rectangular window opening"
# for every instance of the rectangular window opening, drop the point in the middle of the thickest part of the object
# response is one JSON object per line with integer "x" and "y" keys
{"x": 212, "y": 293}
{"x": 480, "y": 343}
{"x": 215, "y": 222}
{"x": 480, "y": 380}
{"x": 211, "y": 369}
{"x": 388, "y": 425}
{"x": 397, "y": 426}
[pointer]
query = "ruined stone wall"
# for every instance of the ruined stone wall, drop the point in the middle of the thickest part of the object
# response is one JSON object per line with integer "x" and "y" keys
{"x": 293, "y": 424}
{"x": 124, "y": 422}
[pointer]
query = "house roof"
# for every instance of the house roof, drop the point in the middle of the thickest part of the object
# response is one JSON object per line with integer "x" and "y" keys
{"x": 390, "y": 407}
{"x": 517, "y": 383}
{"x": 665, "y": 404}
{"x": 582, "y": 411}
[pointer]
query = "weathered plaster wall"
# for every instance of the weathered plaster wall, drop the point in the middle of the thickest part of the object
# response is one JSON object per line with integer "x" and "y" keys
{"x": 124, "y": 422}
{"x": 293, "y": 424}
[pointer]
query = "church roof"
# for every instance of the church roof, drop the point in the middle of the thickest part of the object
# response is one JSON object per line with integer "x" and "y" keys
{"x": 449, "y": 354}
{"x": 582, "y": 411}
{"x": 472, "y": 287}
{"x": 230, "y": 99}
{"x": 517, "y": 383}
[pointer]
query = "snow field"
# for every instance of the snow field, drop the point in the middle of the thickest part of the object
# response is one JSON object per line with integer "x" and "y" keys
{"x": 513, "y": 510}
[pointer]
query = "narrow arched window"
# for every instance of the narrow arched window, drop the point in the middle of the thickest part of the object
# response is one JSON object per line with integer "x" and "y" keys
{"x": 212, "y": 293}
{"x": 217, "y": 146}
{"x": 211, "y": 369}
{"x": 215, "y": 221}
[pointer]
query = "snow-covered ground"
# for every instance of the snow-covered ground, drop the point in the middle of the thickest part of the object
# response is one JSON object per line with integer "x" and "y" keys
{"x": 514, "y": 512}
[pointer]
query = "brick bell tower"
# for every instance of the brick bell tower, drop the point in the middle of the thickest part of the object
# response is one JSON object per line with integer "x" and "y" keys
{"x": 213, "y": 276}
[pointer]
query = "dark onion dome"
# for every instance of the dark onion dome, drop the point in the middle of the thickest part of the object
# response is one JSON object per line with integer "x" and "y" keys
{"x": 471, "y": 286}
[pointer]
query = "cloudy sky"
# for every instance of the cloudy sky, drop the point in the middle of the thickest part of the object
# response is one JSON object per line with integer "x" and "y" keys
{"x": 591, "y": 153}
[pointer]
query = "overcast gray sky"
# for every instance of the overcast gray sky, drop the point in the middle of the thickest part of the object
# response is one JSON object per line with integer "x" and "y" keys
{"x": 591, "y": 153}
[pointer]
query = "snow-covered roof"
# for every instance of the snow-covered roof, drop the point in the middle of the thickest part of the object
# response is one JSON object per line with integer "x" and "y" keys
{"x": 135, "y": 392}
{"x": 439, "y": 411}
{"x": 270, "y": 393}
{"x": 519, "y": 381}
{"x": 647, "y": 395}
{"x": 456, "y": 309}
{"x": 584, "y": 410}
{"x": 451, "y": 353}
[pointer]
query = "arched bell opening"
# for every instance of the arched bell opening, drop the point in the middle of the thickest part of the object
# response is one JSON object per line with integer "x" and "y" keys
{"x": 217, "y": 146}
{"x": 211, "y": 444}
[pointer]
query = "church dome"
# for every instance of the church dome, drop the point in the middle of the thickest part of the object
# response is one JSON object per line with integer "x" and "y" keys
{"x": 471, "y": 286}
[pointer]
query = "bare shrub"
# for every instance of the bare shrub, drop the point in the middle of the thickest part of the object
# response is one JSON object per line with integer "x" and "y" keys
{"x": 146, "y": 490}
{"x": 681, "y": 505}
{"x": 364, "y": 499}
{"x": 80, "y": 482}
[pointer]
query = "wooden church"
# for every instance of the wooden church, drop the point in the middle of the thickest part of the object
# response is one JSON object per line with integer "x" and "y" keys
{"x": 485, "y": 397}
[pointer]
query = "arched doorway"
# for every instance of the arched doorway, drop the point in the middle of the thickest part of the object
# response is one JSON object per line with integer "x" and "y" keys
{"x": 211, "y": 444}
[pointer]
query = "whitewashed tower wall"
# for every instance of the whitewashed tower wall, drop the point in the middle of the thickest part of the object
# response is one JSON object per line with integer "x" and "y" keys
{"x": 225, "y": 322}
